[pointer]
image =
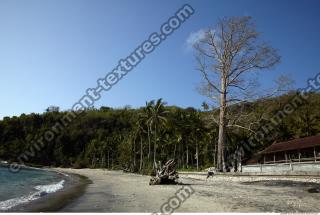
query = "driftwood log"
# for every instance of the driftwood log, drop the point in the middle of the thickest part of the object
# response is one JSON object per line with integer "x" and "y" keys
{"x": 165, "y": 175}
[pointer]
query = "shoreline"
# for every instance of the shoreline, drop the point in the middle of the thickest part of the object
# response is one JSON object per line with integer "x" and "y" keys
{"x": 101, "y": 190}
{"x": 115, "y": 191}
{"x": 74, "y": 187}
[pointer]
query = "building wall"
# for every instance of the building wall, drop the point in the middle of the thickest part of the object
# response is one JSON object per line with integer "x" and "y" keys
{"x": 307, "y": 167}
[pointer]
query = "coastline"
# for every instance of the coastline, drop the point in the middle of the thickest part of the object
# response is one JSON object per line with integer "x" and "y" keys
{"x": 115, "y": 191}
{"x": 99, "y": 190}
{"x": 74, "y": 187}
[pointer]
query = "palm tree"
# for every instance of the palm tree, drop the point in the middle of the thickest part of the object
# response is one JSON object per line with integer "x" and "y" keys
{"x": 133, "y": 137}
{"x": 182, "y": 131}
{"x": 198, "y": 131}
{"x": 147, "y": 113}
{"x": 140, "y": 131}
{"x": 157, "y": 120}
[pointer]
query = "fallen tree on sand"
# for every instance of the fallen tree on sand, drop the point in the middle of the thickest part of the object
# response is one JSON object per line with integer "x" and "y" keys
{"x": 165, "y": 175}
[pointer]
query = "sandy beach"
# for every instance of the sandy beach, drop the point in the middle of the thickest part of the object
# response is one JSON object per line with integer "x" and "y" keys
{"x": 115, "y": 191}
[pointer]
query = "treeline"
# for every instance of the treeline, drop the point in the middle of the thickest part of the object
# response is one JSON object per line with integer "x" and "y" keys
{"x": 133, "y": 139}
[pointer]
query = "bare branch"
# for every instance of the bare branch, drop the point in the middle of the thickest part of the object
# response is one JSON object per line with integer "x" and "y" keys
{"x": 242, "y": 127}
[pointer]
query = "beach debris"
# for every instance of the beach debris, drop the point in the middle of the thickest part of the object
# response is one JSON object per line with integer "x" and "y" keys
{"x": 211, "y": 172}
{"x": 314, "y": 190}
{"x": 165, "y": 175}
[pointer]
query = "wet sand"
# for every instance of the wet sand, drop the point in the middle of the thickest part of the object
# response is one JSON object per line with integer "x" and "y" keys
{"x": 115, "y": 191}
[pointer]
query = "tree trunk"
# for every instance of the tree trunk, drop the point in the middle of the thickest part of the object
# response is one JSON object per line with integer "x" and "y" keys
{"x": 215, "y": 154}
{"x": 141, "y": 154}
{"x": 149, "y": 140}
{"x": 108, "y": 159}
{"x": 93, "y": 163}
{"x": 182, "y": 155}
{"x": 155, "y": 145}
{"x": 103, "y": 159}
{"x": 222, "y": 126}
{"x": 179, "y": 156}
{"x": 111, "y": 160}
{"x": 166, "y": 174}
{"x": 197, "y": 153}
{"x": 187, "y": 156}
{"x": 134, "y": 154}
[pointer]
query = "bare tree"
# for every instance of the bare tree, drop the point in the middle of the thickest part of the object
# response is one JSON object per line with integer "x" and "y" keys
{"x": 229, "y": 58}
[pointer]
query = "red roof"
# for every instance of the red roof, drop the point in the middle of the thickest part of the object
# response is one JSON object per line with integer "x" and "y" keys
{"x": 307, "y": 142}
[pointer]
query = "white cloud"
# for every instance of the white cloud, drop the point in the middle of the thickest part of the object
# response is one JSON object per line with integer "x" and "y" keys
{"x": 195, "y": 37}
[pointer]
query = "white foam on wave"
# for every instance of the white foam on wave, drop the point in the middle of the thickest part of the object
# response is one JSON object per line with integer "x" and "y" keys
{"x": 51, "y": 188}
{"x": 42, "y": 190}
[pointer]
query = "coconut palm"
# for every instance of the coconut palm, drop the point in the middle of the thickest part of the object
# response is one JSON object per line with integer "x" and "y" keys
{"x": 197, "y": 131}
{"x": 156, "y": 121}
{"x": 147, "y": 113}
{"x": 140, "y": 132}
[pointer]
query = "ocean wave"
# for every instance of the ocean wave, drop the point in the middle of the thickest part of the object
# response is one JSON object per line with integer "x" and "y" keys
{"x": 42, "y": 190}
{"x": 51, "y": 188}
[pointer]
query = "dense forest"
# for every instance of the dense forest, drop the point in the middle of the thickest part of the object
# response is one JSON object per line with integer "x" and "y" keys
{"x": 132, "y": 139}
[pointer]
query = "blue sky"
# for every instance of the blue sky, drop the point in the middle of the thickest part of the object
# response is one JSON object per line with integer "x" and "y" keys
{"x": 51, "y": 51}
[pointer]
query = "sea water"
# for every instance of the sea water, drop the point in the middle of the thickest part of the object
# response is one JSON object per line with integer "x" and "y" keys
{"x": 26, "y": 185}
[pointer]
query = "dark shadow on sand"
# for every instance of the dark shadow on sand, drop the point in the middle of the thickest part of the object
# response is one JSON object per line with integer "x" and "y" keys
{"x": 311, "y": 187}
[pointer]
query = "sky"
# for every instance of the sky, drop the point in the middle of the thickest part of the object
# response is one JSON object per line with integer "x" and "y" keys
{"x": 51, "y": 51}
